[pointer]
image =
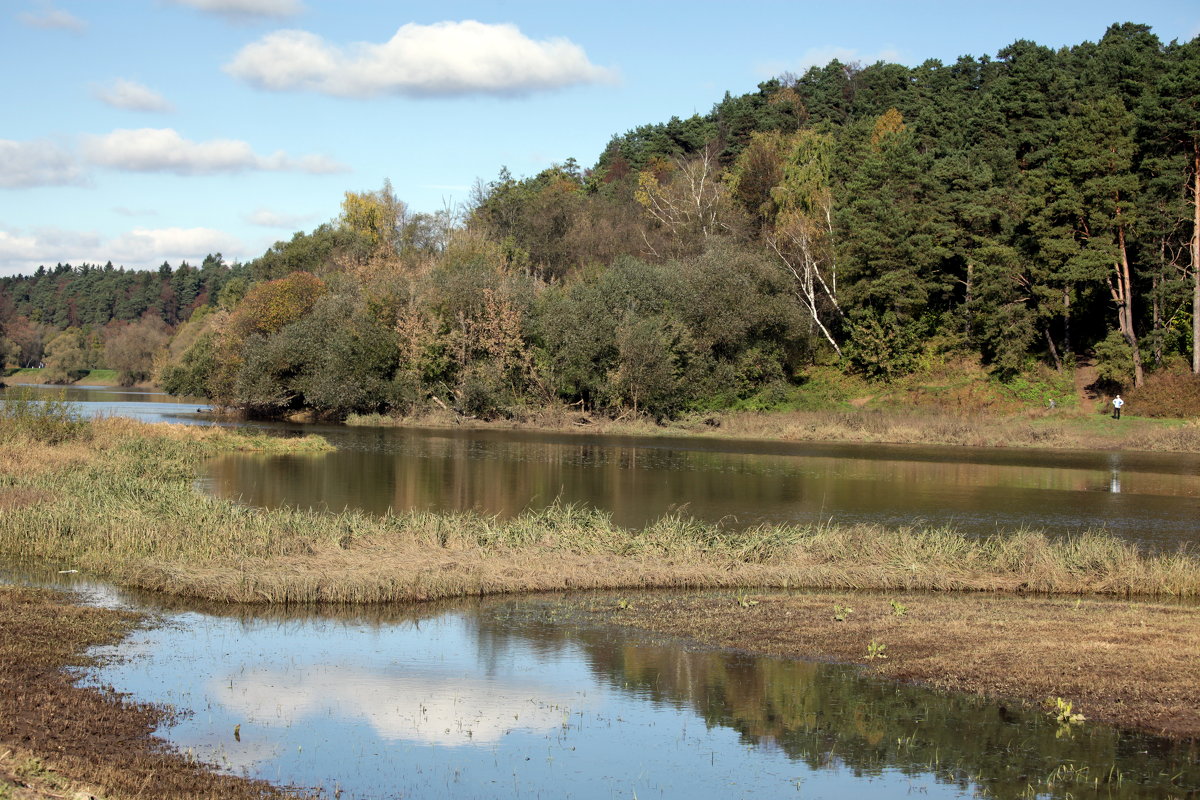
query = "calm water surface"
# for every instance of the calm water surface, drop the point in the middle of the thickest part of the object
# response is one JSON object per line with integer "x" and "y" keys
{"x": 519, "y": 698}
{"x": 114, "y": 401}
{"x": 1151, "y": 498}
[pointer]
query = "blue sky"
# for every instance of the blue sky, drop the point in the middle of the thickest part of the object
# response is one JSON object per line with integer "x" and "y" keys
{"x": 150, "y": 130}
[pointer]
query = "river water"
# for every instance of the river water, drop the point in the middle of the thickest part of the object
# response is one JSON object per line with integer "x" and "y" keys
{"x": 531, "y": 697}
{"x": 1150, "y": 498}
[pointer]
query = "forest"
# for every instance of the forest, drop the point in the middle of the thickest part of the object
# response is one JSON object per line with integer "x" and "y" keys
{"x": 1021, "y": 212}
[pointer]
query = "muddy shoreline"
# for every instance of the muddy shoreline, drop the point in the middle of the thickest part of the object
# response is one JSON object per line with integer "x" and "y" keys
{"x": 60, "y": 740}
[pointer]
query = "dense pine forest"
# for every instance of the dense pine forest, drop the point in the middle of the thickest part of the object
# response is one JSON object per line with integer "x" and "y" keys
{"x": 1018, "y": 213}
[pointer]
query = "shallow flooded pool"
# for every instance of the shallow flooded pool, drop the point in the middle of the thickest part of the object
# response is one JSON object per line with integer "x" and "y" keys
{"x": 531, "y": 697}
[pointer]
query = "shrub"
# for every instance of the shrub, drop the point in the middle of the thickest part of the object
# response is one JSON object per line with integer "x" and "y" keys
{"x": 1114, "y": 361}
{"x": 1174, "y": 393}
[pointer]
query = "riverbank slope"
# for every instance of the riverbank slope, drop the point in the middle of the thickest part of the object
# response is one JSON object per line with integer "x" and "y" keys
{"x": 1058, "y": 429}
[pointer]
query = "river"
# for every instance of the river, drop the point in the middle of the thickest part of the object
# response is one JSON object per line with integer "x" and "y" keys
{"x": 530, "y": 697}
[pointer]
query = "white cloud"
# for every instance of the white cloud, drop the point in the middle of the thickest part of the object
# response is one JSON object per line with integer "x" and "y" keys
{"x": 271, "y": 219}
{"x": 246, "y": 9}
{"x": 820, "y": 56}
{"x": 431, "y": 709}
{"x": 443, "y": 59}
{"x": 37, "y": 163}
{"x": 164, "y": 150}
{"x": 141, "y": 247}
{"x": 131, "y": 96}
{"x": 52, "y": 18}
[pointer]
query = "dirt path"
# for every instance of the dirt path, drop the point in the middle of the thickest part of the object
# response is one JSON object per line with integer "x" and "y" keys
{"x": 1086, "y": 375}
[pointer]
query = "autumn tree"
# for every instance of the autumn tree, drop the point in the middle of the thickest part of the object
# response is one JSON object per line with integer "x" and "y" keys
{"x": 66, "y": 357}
{"x": 131, "y": 349}
{"x": 686, "y": 197}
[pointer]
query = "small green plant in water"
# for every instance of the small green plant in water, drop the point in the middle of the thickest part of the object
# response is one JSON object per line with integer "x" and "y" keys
{"x": 745, "y": 602}
{"x": 1061, "y": 711}
{"x": 876, "y": 650}
{"x": 624, "y": 605}
{"x": 898, "y": 608}
{"x": 840, "y": 613}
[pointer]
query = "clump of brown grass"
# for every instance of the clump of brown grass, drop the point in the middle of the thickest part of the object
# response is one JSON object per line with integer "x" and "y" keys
{"x": 12, "y": 499}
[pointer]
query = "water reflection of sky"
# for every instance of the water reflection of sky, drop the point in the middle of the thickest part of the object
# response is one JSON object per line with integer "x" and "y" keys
{"x": 432, "y": 708}
{"x": 523, "y": 697}
{"x": 139, "y": 404}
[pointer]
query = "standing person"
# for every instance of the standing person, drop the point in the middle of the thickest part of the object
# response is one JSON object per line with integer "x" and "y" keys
{"x": 1117, "y": 404}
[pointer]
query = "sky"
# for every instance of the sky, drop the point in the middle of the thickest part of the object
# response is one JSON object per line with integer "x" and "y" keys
{"x": 143, "y": 131}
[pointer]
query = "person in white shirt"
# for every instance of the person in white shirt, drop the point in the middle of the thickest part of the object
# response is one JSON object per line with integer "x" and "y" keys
{"x": 1117, "y": 404}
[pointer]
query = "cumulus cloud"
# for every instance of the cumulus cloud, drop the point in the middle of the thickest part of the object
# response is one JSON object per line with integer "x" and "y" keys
{"x": 246, "y": 9}
{"x": 164, "y": 150}
{"x": 131, "y": 96}
{"x": 37, "y": 163}
{"x": 25, "y": 251}
{"x": 443, "y": 59}
{"x": 272, "y": 219}
{"x": 51, "y": 18}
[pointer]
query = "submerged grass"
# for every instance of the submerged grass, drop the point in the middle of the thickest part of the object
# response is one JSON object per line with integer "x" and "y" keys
{"x": 118, "y": 500}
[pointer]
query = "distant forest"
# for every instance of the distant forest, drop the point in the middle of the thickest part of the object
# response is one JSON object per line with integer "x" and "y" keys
{"x": 1021, "y": 212}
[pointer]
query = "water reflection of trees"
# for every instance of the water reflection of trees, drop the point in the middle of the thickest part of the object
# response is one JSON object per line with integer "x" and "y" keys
{"x": 639, "y": 484}
{"x": 833, "y": 716}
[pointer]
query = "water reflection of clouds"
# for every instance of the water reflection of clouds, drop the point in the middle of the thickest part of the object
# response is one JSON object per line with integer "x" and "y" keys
{"x": 241, "y": 756}
{"x": 424, "y": 707}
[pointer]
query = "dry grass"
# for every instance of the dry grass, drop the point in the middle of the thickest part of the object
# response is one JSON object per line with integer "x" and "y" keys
{"x": 1132, "y": 664}
{"x": 1051, "y": 429}
{"x": 120, "y": 503}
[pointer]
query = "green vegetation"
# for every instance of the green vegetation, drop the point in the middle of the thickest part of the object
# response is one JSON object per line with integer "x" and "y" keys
{"x": 846, "y": 222}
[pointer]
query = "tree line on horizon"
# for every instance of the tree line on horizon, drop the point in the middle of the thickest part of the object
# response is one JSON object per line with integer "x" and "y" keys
{"x": 1026, "y": 210}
